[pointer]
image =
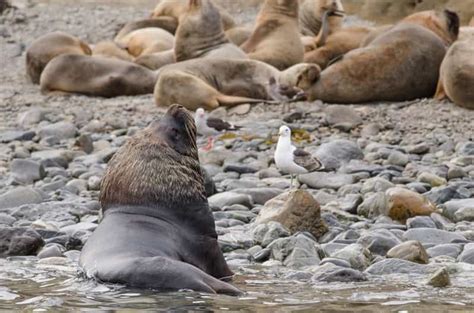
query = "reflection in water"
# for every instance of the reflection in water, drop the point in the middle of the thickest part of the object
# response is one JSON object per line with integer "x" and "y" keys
{"x": 27, "y": 284}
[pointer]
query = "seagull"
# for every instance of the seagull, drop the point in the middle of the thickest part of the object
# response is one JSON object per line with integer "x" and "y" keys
{"x": 210, "y": 127}
{"x": 291, "y": 160}
{"x": 284, "y": 93}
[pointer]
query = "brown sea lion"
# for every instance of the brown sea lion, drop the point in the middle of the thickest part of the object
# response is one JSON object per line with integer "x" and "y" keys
{"x": 240, "y": 34}
{"x": 457, "y": 74}
{"x": 472, "y": 22}
{"x": 146, "y": 41}
{"x": 311, "y": 15}
{"x": 96, "y": 76}
{"x": 208, "y": 83}
{"x": 165, "y": 22}
{"x": 156, "y": 60}
{"x": 276, "y": 38}
{"x": 400, "y": 64}
{"x": 111, "y": 50}
{"x": 158, "y": 231}
{"x": 176, "y": 8}
{"x": 200, "y": 34}
{"x": 46, "y": 47}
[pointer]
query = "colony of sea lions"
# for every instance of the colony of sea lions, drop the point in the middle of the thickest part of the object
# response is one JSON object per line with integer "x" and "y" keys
{"x": 354, "y": 63}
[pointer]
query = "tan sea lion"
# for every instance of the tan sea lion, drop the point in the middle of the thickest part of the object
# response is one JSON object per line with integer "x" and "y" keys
{"x": 157, "y": 231}
{"x": 96, "y": 76}
{"x": 146, "y": 41}
{"x": 165, "y": 22}
{"x": 200, "y": 34}
{"x": 400, "y": 64}
{"x": 46, "y": 47}
{"x": 112, "y": 50}
{"x": 472, "y": 22}
{"x": 240, "y": 34}
{"x": 276, "y": 37}
{"x": 208, "y": 83}
{"x": 176, "y": 8}
{"x": 311, "y": 16}
{"x": 443, "y": 23}
{"x": 457, "y": 74}
{"x": 156, "y": 60}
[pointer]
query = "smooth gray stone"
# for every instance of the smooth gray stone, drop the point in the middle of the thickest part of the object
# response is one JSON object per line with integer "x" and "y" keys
{"x": 399, "y": 266}
{"x": 19, "y": 196}
{"x": 432, "y": 236}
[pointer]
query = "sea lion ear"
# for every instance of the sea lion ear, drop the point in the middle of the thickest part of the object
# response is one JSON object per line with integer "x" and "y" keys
{"x": 452, "y": 21}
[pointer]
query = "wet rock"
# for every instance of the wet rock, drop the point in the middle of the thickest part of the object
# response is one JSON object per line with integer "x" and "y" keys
{"x": 265, "y": 234}
{"x": 338, "y": 152}
{"x": 379, "y": 241}
{"x": 403, "y": 204}
{"x": 398, "y": 158}
{"x": 296, "y": 211}
{"x": 450, "y": 249}
{"x": 229, "y": 198}
{"x": 335, "y": 261}
{"x": 6, "y": 220}
{"x": 358, "y": 256}
{"x": 399, "y": 266}
{"x": 60, "y": 130}
{"x": 260, "y": 195}
{"x": 432, "y": 179}
{"x": 342, "y": 117}
{"x": 12, "y": 135}
{"x": 26, "y": 171}
{"x": 412, "y": 251}
{"x": 322, "y": 180}
{"x": 51, "y": 250}
{"x": 440, "y": 278}
{"x": 420, "y": 222}
{"x": 19, "y": 196}
{"x": 330, "y": 273}
{"x": 296, "y": 252}
{"x": 432, "y": 236}
{"x": 16, "y": 241}
{"x": 234, "y": 241}
{"x": 467, "y": 256}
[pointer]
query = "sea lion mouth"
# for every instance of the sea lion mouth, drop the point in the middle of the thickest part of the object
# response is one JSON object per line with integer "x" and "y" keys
{"x": 332, "y": 11}
{"x": 178, "y": 124}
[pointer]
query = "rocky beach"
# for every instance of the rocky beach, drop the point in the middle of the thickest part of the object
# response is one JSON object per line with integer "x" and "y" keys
{"x": 387, "y": 226}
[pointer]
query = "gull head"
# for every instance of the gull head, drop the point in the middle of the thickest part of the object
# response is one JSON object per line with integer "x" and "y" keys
{"x": 200, "y": 113}
{"x": 285, "y": 131}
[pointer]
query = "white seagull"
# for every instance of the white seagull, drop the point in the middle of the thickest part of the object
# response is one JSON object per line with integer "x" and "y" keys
{"x": 210, "y": 127}
{"x": 291, "y": 160}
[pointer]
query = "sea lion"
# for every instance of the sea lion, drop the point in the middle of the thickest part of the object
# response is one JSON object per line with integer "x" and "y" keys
{"x": 46, "y": 47}
{"x": 146, "y": 41}
{"x": 96, "y": 76}
{"x": 276, "y": 37}
{"x": 472, "y": 22}
{"x": 208, "y": 83}
{"x": 457, "y": 74}
{"x": 200, "y": 34}
{"x": 240, "y": 34}
{"x": 156, "y": 60}
{"x": 157, "y": 231}
{"x": 311, "y": 15}
{"x": 400, "y": 64}
{"x": 175, "y": 9}
{"x": 165, "y": 22}
{"x": 111, "y": 50}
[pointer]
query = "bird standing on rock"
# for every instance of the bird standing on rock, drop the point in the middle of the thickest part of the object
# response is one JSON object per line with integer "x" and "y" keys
{"x": 291, "y": 160}
{"x": 210, "y": 127}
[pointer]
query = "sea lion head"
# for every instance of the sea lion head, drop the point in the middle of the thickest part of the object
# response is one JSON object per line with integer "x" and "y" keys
{"x": 171, "y": 8}
{"x": 200, "y": 15}
{"x": 157, "y": 167}
{"x": 445, "y": 23}
{"x": 302, "y": 75}
{"x": 283, "y": 7}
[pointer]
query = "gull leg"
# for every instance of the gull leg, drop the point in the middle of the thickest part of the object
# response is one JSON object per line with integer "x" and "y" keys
{"x": 210, "y": 143}
{"x": 291, "y": 184}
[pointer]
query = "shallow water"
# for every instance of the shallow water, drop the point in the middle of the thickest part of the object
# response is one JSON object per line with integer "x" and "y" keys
{"x": 28, "y": 285}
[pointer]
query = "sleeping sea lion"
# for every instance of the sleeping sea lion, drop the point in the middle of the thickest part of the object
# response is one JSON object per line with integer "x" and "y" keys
{"x": 146, "y": 41}
{"x": 157, "y": 231}
{"x": 165, "y": 22}
{"x": 398, "y": 65}
{"x": 240, "y": 34}
{"x": 96, "y": 76}
{"x": 276, "y": 38}
{"x": 111, "y": 50}
{"x": 208, "y": 83}
{"x": 46, "y": 47}
{"x": 200, "y": 34}
{"x": 156, "y": 60}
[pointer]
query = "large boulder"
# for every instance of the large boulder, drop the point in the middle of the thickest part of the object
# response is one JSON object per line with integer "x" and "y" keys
{"x": 296, "y": 210}
{"x": 403, "y": 204}
{"x": 16, "y": 241}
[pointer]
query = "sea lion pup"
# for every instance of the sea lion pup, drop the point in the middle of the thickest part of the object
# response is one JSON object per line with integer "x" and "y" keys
{"x": 165, "y": 22}
{"x": 311, "y": 16}
{"x": 208, "y": 83}
{"x": 457, "y": 74}
{"x": 158, "y": 231}
{"x": 46, "y": 47}
{"x": 200, "y": 34}
{"x": 146, "y": 41}
{"x": 276, "y": 38}
{"x": 110, "y": 49}
{"x": 156, "y": 60}
{"x": 96, "y": 76}
{"x": 176, "y": 8}
{"x": 401, "y": 64}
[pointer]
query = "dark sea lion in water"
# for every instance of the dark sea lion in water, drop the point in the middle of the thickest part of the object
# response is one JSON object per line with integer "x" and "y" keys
{"x": 200, "y": 34}
{"x": 96, "y": 76}
{"x": 400, "y": 64}
{"x": 49, "y": 46}
{"x": 158, "y": 231}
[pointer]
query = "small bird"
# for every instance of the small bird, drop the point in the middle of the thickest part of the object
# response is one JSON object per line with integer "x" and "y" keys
{"x": 284, "y": 93}
{"x": 291, "y": 160}
{"x": 210, "y": 127}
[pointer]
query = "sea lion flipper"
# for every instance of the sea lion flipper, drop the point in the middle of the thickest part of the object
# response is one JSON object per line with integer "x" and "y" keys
{"x": 440, "y": 92}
